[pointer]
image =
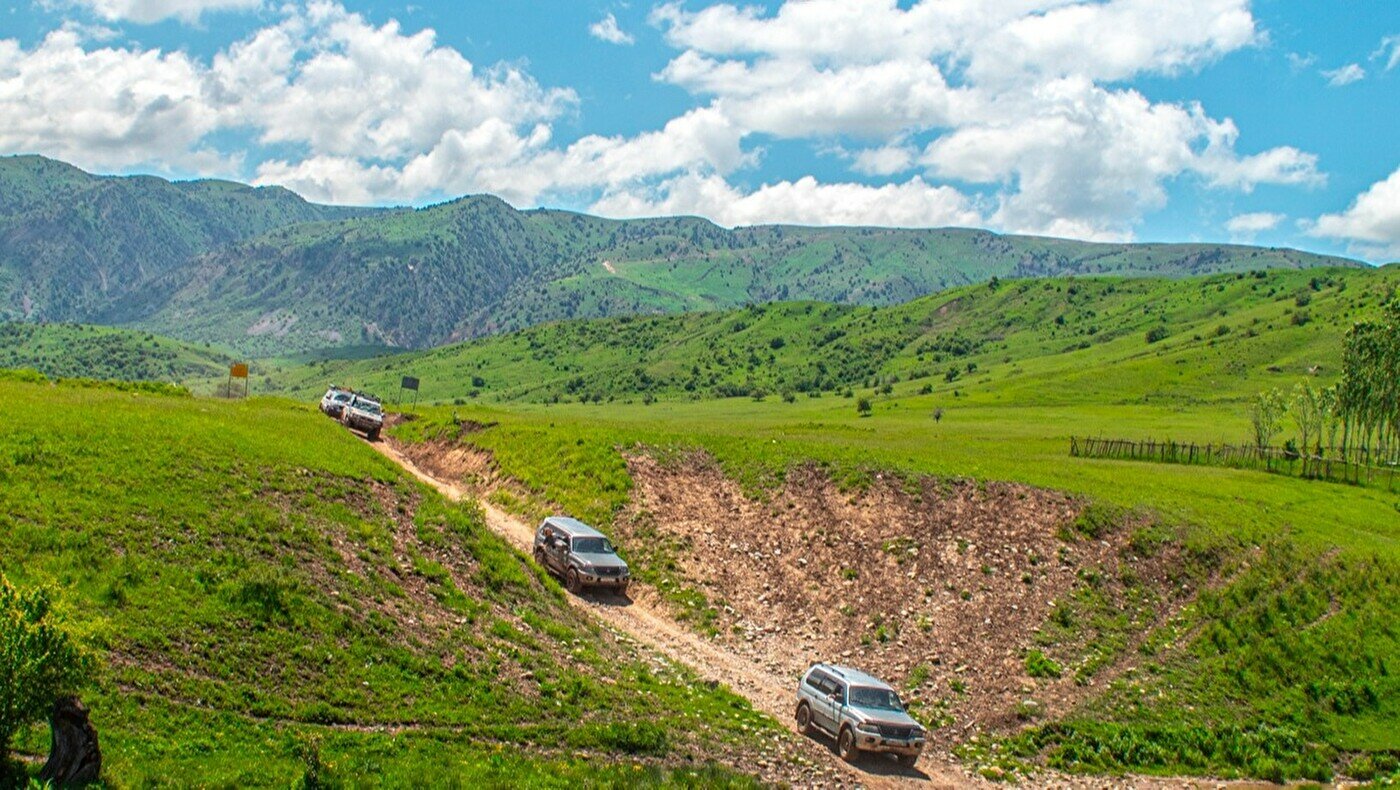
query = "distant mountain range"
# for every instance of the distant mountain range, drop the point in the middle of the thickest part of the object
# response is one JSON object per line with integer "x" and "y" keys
{"x": 264, "y": 272}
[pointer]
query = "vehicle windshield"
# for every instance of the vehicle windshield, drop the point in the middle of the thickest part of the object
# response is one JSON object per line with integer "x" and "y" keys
{"x": 367, "y": 405}
{"x": 880, "y": 699}
{"x": 592, "y": 546}
{"x": 341, "y": 396}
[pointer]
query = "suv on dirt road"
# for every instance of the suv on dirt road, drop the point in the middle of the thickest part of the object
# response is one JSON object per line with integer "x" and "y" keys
{"x": 582, "y": 555}
{"x": 363, "y": 413}
{"x": 862, "y": 713}
{"x": 333, "y": 402}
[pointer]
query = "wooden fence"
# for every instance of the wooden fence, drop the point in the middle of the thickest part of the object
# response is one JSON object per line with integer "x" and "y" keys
{"x": 1271, "y": 459}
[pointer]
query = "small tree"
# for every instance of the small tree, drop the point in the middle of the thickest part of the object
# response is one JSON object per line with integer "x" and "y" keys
{"x": 1308, "y": 414}
{"x": 1265, "y": 413}
{"x": 863, "y": 407}
{"x": 39, "y": 660}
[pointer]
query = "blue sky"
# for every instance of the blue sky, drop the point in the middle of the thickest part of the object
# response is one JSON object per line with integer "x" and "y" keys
{"x": 1270, "y": 122}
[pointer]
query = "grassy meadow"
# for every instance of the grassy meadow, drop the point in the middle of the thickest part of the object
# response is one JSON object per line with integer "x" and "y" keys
{"x": 272, "y": 602}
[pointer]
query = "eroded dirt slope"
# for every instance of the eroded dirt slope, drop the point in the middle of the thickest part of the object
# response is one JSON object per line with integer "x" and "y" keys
{"x": 938, "y": 586}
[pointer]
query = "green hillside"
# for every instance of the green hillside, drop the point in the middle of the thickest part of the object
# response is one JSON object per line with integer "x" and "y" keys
{"x": 271, "y": 601}
{"x": 104, "y": 353}
{"x": 1020, "y": 341}
{"x": 261, "y": 271}
{"x": 75, "y": 246}
{"x": 476, "y": 267}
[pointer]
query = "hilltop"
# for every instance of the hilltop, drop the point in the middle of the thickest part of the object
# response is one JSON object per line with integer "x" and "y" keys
{"x": 265, "y": 273}
{"x": 105, "y": 353}
{"x": 74, "y": 246}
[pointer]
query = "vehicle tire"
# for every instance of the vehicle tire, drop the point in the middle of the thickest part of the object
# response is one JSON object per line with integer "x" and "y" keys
{"x": 906, "y": 760}
{"x": 372, "y": 434}
{"x": 539, "y": 558}
{"x": 804, "y": 719}
{"x": 572, "y": 581}
{"x": 846, "y": 745}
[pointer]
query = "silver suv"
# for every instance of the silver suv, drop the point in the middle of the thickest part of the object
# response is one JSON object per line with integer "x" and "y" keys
{"x": 862, "y": 713}
{"x": 363, "y": 413}
{"x": 582, "y": 555}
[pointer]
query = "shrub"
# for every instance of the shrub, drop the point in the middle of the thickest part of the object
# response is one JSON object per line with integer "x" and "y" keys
{"x": 863, "y": 407}
{"x": 1156, "y": 334}
{"x": 39, "y": 660}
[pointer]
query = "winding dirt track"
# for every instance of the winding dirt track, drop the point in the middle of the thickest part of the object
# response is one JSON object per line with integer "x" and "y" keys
{"x": 640, "y": 619}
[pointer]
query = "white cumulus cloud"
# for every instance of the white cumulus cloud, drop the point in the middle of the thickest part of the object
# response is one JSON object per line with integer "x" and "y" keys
{"x": 148, "y": 11}
{"x": 1371, "y": 223}
{"x": 801, "y": 202}
{"x": 1346, "y": 75}
{"x": 607, "y": 29}
{"x": 1009, "y": 92}
{"x": 1246, "y": 225}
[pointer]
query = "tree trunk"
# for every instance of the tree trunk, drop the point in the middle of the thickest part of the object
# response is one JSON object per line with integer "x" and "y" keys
{"x": 74, "y": 758}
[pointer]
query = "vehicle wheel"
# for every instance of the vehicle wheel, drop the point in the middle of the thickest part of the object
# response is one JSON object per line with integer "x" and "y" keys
{"x": 846, "y": 745}
{"x": 907, "y": 760}
{"x": 539, "y": 558}
{"x": 804, "y": 719}
{"x": 572, "y": 581}
{"x": 373, "y": 435}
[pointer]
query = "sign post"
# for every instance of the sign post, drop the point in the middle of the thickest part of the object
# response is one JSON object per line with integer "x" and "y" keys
{"x": 409, "y": 383}
{"x": 238, "y": 370}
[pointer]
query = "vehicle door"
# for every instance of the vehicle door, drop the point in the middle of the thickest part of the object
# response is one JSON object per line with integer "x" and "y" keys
{"x": 824, "y": 710}
{"x": 837, "y": 701}
{"x": 557, "y": 552}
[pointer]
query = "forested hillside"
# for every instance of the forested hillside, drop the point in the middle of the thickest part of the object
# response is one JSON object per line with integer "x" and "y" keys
{"x": 263, "y": 272}
{"x": 73, "y": 246}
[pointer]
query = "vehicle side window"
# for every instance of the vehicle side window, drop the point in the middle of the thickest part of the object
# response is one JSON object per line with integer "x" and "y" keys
{"x": 839, "y": 689}
{"x": 814, "y": 680}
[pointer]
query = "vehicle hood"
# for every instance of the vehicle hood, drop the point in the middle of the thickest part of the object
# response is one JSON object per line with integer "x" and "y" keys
{"x": 367, "y": 415}
{"x": 892, "y": 718}
{"x": 602, "y": 560}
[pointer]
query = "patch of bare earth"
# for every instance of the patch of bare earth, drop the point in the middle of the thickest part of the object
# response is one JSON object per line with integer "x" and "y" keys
{"x": 938, "y": 586}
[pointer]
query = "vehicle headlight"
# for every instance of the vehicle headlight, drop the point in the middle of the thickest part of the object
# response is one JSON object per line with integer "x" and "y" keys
{"x": 873, "y": 729}
{"x": 585, "y": 567}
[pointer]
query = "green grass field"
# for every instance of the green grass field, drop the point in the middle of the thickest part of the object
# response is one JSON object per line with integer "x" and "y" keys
{"x": 1281, "y": 667}
{"x": 1032, "y": 342}
{"x": 268, "y": 597}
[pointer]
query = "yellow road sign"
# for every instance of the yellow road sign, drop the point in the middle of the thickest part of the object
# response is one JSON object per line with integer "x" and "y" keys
{"x": 238, "y": 370}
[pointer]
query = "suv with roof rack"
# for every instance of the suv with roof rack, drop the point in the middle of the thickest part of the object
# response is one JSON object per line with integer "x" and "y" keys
{"x": 863, "y": 714}
{"x": 582, "y": 555}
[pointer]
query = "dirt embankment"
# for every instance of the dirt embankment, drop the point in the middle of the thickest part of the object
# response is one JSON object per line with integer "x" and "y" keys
{"x": 939, "y": 586}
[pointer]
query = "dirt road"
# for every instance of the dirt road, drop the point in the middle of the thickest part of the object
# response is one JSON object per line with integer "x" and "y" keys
{"x": 642, "y": 620}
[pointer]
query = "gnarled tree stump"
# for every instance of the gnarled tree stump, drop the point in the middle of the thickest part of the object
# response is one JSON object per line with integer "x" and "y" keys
{"x": 74, "y": 758}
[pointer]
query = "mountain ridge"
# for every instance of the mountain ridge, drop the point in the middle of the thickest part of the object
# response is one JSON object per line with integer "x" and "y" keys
{"x": 262, "y": 271}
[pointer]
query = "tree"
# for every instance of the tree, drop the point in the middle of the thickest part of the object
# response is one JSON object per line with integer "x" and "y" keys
{"x": 1265, "y": 413}
{"x": 1307, "y": 410}
{"x": 39, "y": 660}
{"x": 863, "y": 407}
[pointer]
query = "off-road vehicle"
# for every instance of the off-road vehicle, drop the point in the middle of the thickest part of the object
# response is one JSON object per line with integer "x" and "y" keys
{"x": 363, "y": 413}
{"x": 862, "y": 713}
{"x": 580, "y": 554}
{"x": 333, "y": 402}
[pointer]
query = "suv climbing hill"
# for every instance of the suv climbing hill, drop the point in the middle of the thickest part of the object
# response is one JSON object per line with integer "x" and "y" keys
{"x": 861, "y": 712}
{"x": 363, "y": 413}
{"x": 582, "y": 555}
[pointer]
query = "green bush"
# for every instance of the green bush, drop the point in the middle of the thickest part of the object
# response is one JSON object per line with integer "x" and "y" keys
{"x": 39, "y": 660}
